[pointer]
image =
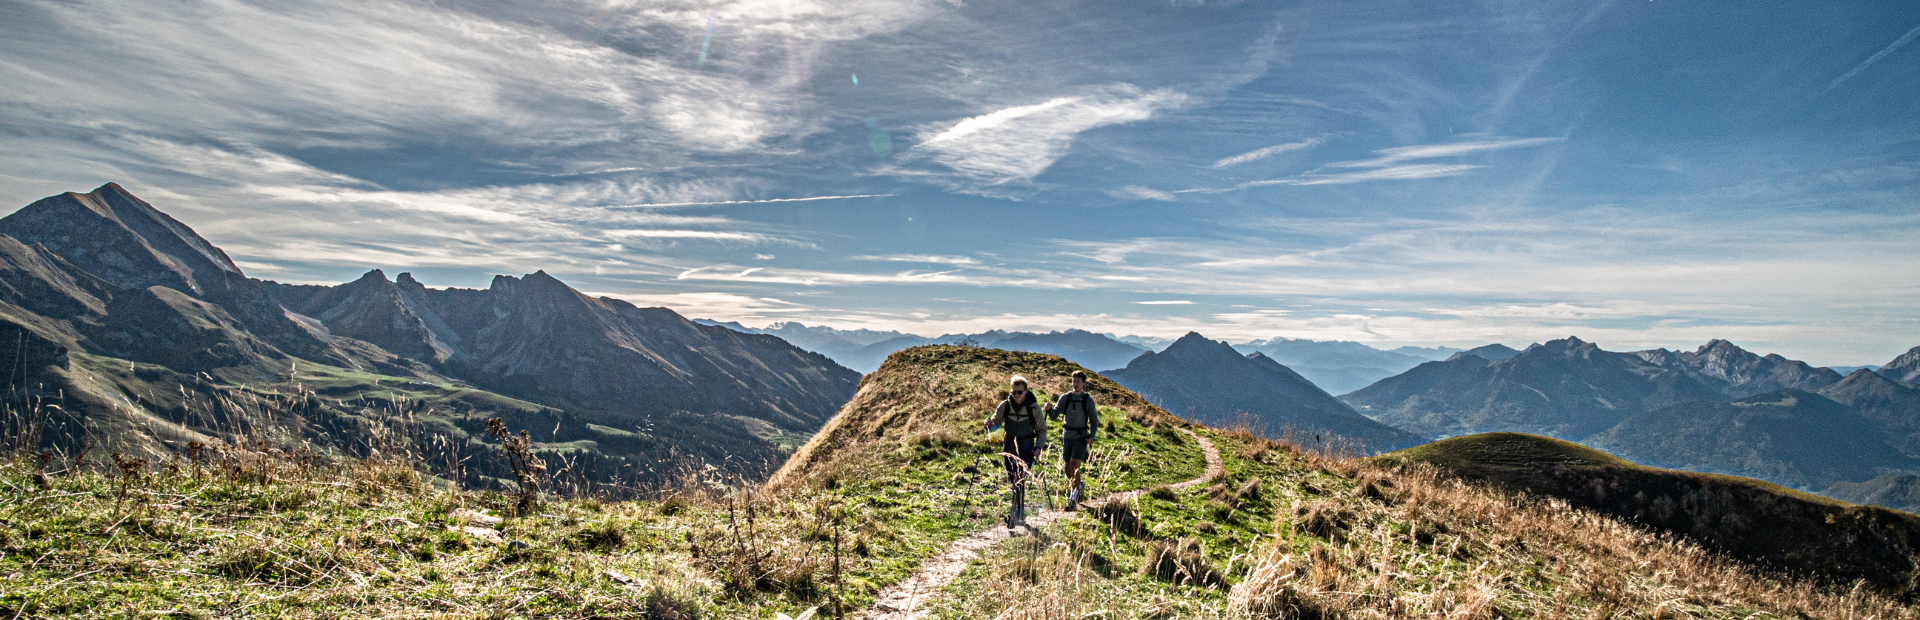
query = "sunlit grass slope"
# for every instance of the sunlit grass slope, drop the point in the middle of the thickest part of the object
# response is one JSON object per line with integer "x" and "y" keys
{"x": 241, "y": 529}
{"x": 1757, "y": 521}
{"x": 246, "y": 530}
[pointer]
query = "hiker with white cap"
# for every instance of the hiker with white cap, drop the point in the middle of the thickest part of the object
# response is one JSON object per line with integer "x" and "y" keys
{"x": 1026, "y": 435}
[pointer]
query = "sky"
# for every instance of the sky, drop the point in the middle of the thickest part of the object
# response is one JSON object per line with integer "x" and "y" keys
{"x": 1636, "y": 173}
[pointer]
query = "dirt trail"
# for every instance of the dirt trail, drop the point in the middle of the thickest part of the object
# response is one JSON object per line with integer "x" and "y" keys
{"x": 902, "y": 601}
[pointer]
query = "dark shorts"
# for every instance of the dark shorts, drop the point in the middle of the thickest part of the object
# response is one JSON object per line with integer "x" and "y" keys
{"x": 1074, "y": 449}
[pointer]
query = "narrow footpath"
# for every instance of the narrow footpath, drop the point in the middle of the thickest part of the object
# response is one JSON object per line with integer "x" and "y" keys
{"x": 902, "y": 601}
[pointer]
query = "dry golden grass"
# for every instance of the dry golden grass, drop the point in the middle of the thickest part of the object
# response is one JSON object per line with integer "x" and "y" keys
{"x": 1412, "y": 543}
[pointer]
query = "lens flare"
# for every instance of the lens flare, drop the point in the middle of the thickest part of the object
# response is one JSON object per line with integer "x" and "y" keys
{"x": 709, "y": 40}
{"x": 856, "y": 79}
{"x": 879, "y": 139}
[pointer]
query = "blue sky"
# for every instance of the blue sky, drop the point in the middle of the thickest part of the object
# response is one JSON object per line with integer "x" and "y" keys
{"x": 1636, "y": 173}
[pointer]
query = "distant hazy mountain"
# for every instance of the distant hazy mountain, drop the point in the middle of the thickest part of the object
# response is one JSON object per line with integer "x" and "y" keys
{"x": 864, "y": 350}
{"x": 1427, "y": 353}
{"x": 1336, "y": 366}
{"x": 1151, "y": 343}
{"x": 833, "y": 343}
{"x": 1080, "y": 347}
{"x": 1893, "y": 405}
{"x": 1896, "y": 491}
{"x": 1904, "y": 368}
{"x": 1718, "y": 408}
{"x": 1564, "y": 388}
{"x": 127, "y": 318}
{"x": 1210, "y": 382}
{"x": 1495, "y": 351}
{"x": 1847, "y": 370}
{"x": 1790, "y": 437}
{"x": 1737, "y": 372}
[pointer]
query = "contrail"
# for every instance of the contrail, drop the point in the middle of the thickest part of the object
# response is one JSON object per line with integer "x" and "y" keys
{"x": 1897, "y": 44}
{"x": 748, "y": 202}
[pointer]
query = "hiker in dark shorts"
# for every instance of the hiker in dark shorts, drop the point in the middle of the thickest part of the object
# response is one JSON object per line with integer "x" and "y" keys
{"x": 1077, "y": 430}
{"x": 1026, "y": 436}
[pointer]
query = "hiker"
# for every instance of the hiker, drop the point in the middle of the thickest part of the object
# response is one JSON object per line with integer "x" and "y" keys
{"x": 1026, "y": 433}
{"x": 1077, "y": 430}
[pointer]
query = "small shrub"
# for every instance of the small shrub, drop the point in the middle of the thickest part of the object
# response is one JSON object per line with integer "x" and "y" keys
{"x": 602, "y": 537}
{"x": 1181, "y": 563}
{"x": 1121, "y": 518}
{"x": 1162, "y": 492}
{"x": 1374, "y": 486}
{"x": 1325, "y": 519}
{"x": 1248, "y": 492}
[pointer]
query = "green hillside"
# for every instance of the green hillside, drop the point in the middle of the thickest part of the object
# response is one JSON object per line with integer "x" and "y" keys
{"x": 244, "y": 528}
{"x": 1758, "y": 521}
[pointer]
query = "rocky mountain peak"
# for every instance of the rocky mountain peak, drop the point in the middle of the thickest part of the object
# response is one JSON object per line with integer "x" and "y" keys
{"x": 375, "y": 275}
{"x": 1194, "y": 345}
{"x": 406, "y": 282}
{"x": 1570, "y": 346}
{"x": 1903, "y": 368}
{"x": 122, "y": 239}
{"x": 1495, "y": 351}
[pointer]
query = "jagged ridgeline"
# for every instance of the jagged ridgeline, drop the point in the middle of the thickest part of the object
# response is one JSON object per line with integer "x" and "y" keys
{"x": 132, "y": 333}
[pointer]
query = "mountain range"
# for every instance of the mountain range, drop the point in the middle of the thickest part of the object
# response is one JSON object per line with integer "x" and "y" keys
{"x": 1717, "y": 409}
{"x": 1340, "y": 366}
{"x": 1335, "y": 366}
{"x": 133, "y": 321}
{"x": 1209, "y": 382}
{"x": 864, "y": 350}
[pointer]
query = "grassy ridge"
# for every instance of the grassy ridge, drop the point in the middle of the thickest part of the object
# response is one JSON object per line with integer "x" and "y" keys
{"x": 1756, "y": 521}
{"x": 235, "y": 531}
{"x": 1350, "y": 538}
{"x": 246, "y": 530}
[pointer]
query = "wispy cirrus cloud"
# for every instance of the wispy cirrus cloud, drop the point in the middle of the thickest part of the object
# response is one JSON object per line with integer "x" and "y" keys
{"x": 1137, "y": 192}
{"x": 1395, "y": 173}
{"x": 1270, "y": 151}
{"x": 1017, "y": 143}
{"x": 1391, "y": 164}
{"x": 1401, "y": 154}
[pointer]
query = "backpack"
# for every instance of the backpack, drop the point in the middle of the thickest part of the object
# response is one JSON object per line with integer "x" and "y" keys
{"x": 1075, "y": 407}
{"x": 1019, "y": 419}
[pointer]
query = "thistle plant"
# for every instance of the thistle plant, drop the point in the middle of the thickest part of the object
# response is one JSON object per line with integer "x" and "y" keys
{"x": 527, "y": 468}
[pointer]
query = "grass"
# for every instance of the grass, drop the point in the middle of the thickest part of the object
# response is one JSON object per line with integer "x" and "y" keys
{"x": 1756, "y": 521}
{"x": 248, "y": 530}
{"x": 1349, "y": 538}
{"x": 243, "y": 529}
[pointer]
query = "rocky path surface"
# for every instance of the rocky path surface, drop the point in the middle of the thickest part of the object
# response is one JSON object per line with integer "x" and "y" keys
{"x": 903, "y": 601}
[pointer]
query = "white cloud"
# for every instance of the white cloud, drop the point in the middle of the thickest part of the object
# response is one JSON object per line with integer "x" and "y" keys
{"x": 714, "y": 235}
{"x": 1397, "y": 155}
{"x": 1269, "y": 152}
{"x": 996, "y": 119}
{"x": 921, "y": 258}
{"x": 1396, "y": 173}
{"x": 1017, "y": 143}
{"x": 1168, "y": 302}
{"x": 1136, "y": 192}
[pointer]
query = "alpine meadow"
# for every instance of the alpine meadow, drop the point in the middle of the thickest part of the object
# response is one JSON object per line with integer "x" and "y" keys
{"x": 944, "y": 309}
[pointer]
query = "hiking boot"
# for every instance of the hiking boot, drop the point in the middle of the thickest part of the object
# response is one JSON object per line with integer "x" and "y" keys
{"x": 1073, "y": 500}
